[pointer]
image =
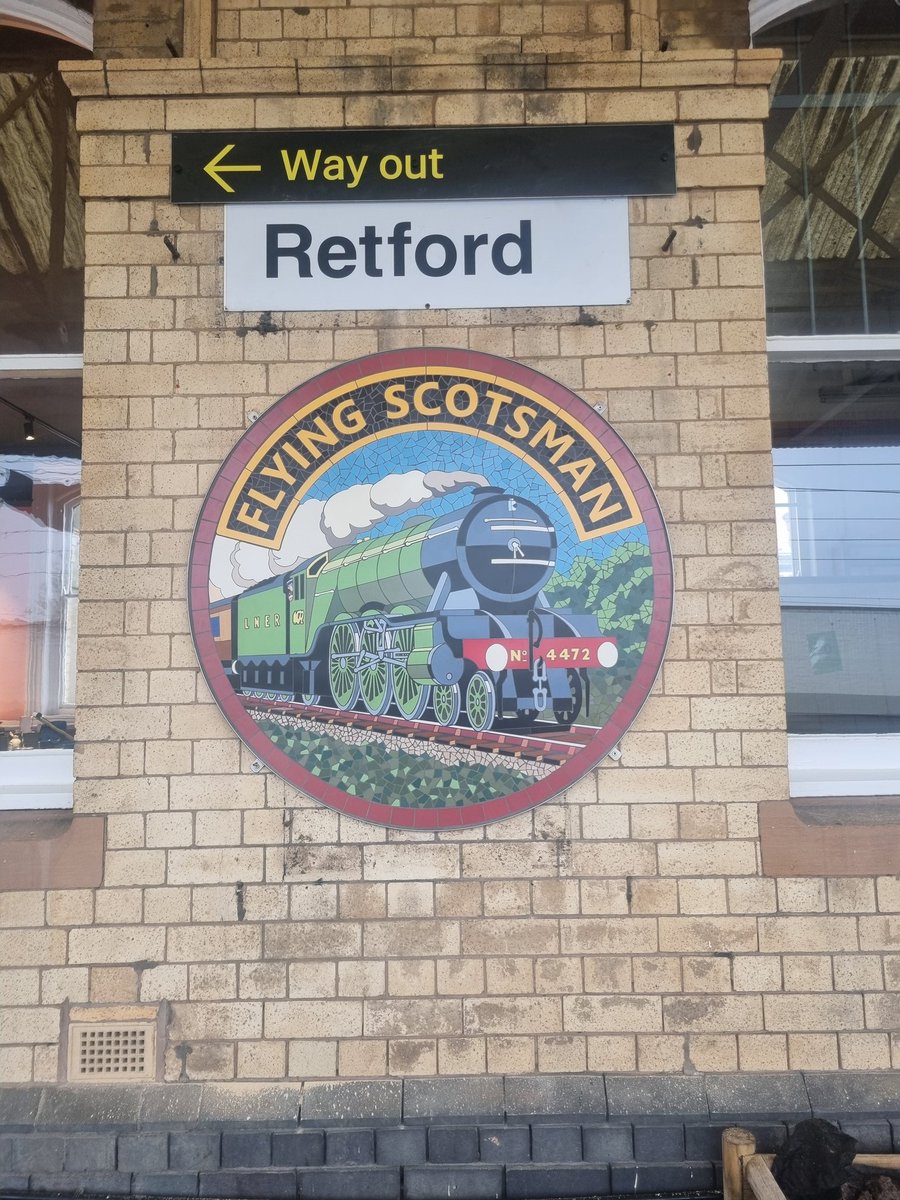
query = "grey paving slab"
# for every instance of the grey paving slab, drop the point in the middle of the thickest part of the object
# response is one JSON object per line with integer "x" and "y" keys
{"x": 549, "y": 1097}
{"x": 100, "y": 1106}
{"x": 373, "y": 1102}
{"x": 451, "y": 1099}
{"x": 767, "y": 1094}
{"x": 19, "y": 1107}
{"x": 655, "y": 1096}
{"x": 240, "y": 1105}
{"x": 849, "y": 1092}
{"x": 170, "y": 1106}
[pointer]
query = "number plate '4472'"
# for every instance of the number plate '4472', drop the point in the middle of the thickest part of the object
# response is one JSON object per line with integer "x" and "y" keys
{"x": 499, "y": 653}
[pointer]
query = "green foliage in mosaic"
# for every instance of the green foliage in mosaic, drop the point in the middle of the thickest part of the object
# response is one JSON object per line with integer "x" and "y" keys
{"x": 618, "y": 591}
{"x": 373, "y": 771}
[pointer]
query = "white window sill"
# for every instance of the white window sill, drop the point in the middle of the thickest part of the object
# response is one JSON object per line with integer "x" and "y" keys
{"x": 865, "y": 764}
{"x": 32, "y": 779}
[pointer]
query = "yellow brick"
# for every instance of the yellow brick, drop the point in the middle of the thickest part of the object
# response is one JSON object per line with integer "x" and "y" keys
{"x": 412, "y": 1056}
{"x": 146, "y": 180}
{"x": 787, "y": 1014}
{"x": 412, "y": 1017}
{"x": 123, "y": 944}
{"x": 611, "y": 1053}
{"x": 813, "y": 1051}
{"x": 722, "y": 170}
{"x": 762, "y": 1052}
{"x": 461, "y": 1056}
{"x": 217, "y": 113}
{"x": 864, "y": 1051}
{"x": 525, "y": 1014}
{"x": 137, "y": 115}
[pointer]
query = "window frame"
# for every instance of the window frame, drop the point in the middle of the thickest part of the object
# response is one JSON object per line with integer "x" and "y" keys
{"x": 39, "y": 778}
{"x": 840, "y": 764}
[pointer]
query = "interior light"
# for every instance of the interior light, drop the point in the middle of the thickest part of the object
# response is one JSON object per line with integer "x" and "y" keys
{"x": 29, "y": 429}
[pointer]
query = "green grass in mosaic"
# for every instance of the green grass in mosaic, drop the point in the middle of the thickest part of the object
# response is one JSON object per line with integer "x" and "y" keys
{"x": 373, "y": 772}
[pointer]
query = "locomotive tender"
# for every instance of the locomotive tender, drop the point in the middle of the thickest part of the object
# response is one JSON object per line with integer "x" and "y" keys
{"x": 445, "y": 616}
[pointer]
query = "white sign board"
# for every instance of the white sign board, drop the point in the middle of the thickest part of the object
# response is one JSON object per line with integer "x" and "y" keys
{"x": 426, "y": 254}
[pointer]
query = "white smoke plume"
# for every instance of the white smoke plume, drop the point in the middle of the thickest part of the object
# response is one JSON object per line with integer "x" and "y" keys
{"x": 319, "y": 525}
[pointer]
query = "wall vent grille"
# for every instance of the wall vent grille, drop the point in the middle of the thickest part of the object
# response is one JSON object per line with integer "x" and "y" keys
{"x": 112, "y": 1050}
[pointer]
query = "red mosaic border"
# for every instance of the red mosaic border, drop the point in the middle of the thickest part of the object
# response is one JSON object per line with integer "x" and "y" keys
{"x": 291, "y": 771}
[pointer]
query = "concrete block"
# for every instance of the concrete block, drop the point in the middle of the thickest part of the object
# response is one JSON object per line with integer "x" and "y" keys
{"x": 547, "y": 1183}
{"x": 362, "y": 1183}
{"x": 745, "y": 1095}
{"x": 165, "y": 1183}
{"x": 437, "y": 1183}
{"x": 655, "y": 1096}
{"x": 556, "y": 1143}
{"x": 349, "y": 1147}
{"x": 143, "y": 1152}
{"x": 659, "y": 1143}
{"x": 845, "y": 1092}
{"x": 400, "y": 1147}
{"x": 91, "y": 1152}
{"x": 269, "y": 1184}
{"x": 243, "y": 1150}
{"x": 546, "y": 1097}
{"x": 374, "y": 1102}
{"x": 452, "y": 1099}
{"x": 505, "y": 1143}
{"x": 303, "y": 1149}
{"x": 662, "y": 1177}
{"x": 607, "y": 1143}
{"x": 194, "y": 1151}
{"x": 453, "y": 1144}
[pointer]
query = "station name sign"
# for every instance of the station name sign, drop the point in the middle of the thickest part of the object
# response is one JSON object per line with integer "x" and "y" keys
{"x": 438, "y": 254}
{"x": 329, "y": 165}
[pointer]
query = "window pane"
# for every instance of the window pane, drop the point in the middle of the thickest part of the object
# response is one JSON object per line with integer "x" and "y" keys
{"x": 836, "y": 431}
{"x": 831, "y": 205}
{"x": 39, "y": 525}
{"x": 41, "y": 227}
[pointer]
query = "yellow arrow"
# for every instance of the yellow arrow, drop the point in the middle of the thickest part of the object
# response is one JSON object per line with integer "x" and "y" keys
{"x": 214, "y": 168}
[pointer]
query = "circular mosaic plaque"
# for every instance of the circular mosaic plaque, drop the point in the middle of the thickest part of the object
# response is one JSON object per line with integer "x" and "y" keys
{"x": 430, "y": 588}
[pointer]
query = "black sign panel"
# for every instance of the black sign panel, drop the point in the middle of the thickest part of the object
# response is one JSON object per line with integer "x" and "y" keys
{"x": 423, "y": 164}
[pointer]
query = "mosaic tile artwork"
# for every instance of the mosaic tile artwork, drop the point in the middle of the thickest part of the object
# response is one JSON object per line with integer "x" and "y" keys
{"x": 430, "y": 588}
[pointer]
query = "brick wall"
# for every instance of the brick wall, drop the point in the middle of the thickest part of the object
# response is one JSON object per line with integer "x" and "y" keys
{"x": 131, "y": 29}
{"x": 624, "y": 926}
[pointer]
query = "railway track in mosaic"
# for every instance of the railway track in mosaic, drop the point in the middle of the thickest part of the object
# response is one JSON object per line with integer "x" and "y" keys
{"x": 558, "y": 746}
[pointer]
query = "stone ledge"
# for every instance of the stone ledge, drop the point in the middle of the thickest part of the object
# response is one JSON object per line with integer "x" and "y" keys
{"x": 490, "y": 1100}
{"x": 328, "y": 75}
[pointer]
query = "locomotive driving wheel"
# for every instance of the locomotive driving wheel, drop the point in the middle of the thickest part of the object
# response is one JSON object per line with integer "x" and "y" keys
{"x": 481, "y": 701}
{"x": 565, "y": 712}
{"x": 375, "y": 672}
{"x": 410, "y": 696}
{"x": 446, "y": 700}
{"x": 343, "y": 651}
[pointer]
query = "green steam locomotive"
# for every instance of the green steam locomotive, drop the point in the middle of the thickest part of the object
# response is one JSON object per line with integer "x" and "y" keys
{"x": 441, "y": 620}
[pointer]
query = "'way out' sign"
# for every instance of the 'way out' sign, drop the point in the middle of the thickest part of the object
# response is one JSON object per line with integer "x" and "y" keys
{"x": 503, "y": 162}
{"x": 427, "y": 254}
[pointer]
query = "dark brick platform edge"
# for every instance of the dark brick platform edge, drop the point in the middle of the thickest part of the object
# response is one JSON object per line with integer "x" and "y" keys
{"x": 512, "y": 1138}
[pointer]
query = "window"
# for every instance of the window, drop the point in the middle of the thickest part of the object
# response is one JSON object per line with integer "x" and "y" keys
{"x": 831, "y": 224}
{"x": 41, "y": 335}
